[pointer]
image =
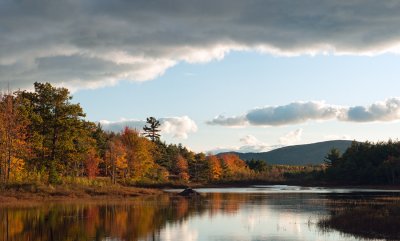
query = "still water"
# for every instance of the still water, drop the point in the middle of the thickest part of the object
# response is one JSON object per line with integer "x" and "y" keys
{"x": 257, "y": 213}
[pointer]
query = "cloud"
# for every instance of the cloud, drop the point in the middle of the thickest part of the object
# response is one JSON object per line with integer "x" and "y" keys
{"x": 178, "y": 127}
{"x": 388, "y": 110}
{"x": 338, "y": 137}
{"x": 228, "y": 121}
{"x": 251, "y": 144}
{"x": 293, "y": 113}
{"x": 87, "y": 44}
{"x": 249, "y": 140}
{"x": 291, "y": 137}
{"x": 301, "y": 112}
{"x": 117, "y": 126}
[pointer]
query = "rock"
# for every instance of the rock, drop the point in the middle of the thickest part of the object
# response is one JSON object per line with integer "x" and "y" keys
{"x": 188, "y": 192}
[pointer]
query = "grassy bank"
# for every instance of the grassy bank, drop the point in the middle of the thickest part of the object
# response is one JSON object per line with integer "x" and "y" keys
{"x": 72, "y": 189}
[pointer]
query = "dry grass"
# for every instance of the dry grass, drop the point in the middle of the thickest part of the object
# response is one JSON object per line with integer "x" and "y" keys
{"x": 78, "y": 189}
{"x": 376, "y": 219}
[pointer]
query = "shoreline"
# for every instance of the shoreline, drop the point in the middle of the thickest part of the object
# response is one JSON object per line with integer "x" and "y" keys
{"x": 28, "y": 194}
{"x": 34, "y": 194}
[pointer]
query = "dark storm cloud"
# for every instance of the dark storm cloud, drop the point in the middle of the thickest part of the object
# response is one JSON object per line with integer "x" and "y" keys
{"x": 99, "y": 42}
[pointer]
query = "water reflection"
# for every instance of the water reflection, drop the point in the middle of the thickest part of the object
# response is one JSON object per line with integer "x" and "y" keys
{"x": 138, "y": 219}
{"x": 121, "y": 221}
{"x": 215, "y": 216}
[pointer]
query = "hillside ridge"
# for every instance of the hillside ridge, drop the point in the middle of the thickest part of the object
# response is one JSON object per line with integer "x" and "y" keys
{"x": 304, "y": 154}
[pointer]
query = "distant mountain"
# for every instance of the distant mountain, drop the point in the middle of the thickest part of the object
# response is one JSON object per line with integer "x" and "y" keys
{"x": 299, "y": 154}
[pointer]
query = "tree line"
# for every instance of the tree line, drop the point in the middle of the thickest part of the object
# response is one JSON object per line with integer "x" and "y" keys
{"x": 364, "y": 163}
{"x": 45, "y": 137}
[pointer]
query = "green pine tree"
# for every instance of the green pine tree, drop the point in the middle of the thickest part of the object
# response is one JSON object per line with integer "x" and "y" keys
{"x": 152, "y": 130}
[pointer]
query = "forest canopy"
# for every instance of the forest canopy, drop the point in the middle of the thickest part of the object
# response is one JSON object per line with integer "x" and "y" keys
{"x": 44, "y": 137}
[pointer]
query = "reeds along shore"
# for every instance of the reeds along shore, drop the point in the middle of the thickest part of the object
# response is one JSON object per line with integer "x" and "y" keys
{"x": 373, "y": 219}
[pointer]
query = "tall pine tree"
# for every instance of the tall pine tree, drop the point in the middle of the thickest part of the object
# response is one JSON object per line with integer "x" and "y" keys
{"x": 152, "y": 130}
{"x": 55, "y": 125}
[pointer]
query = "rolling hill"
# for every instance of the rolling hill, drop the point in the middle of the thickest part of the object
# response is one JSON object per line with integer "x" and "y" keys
{"x": 297, "y": 155}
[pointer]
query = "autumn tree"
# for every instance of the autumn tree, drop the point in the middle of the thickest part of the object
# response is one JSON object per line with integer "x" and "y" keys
{"x": 118, "y": 161}
{"x": 139, "y": 154}
{"x": 182, "y": 168}
{"x": 13, "y": 134}
{"x": 152, "y": 129}
{"x": 101, "y": 139}
{"x": 233, "y": 166}
{"x": 92, "y": 161}
{"x": 55, "y": 122}
{"x": 214, "y": 168}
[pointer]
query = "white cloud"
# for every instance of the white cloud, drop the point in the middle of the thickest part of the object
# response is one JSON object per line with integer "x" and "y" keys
{"x": 249, "y": 140}
{"x": 291, "y": 137}
{"x": 337, "y": 137}
{"x": 178, "y": 127}
{"x": 117, "y": 126}
{"x": 388, "y": 110}
{"x": 251, "y": 144}
{"x": 228, "y": 121}
{"x": 301, "y": 112}
{"x": 87, "y": 44}
{"x": 293, "y": 113}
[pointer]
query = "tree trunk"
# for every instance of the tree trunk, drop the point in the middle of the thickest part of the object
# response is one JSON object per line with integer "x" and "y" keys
{"x": 8, "y": 165}
{"x": 1, "y": 171}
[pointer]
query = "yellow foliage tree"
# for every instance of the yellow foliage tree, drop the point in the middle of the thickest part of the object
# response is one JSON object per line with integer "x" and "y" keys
{"x": 17, "y": 169}
{"x": 139, "y": 155}
{"x": 118, "y": 161}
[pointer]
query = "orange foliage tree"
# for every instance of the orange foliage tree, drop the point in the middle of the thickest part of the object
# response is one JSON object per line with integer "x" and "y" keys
{"x": 182, "y": 168}
{"x": 233, "y": 166}
{"x": 92, "y": 163}
{"x": 13, "y": 134}
{"x": 214, "y": 168}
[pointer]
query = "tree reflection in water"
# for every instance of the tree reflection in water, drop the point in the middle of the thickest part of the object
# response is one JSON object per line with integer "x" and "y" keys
{"x": 161, "y": 217}
{"x": 138, "y": 219}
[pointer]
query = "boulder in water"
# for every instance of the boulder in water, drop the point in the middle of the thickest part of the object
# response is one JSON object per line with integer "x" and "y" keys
{"x": 188, "y": 192}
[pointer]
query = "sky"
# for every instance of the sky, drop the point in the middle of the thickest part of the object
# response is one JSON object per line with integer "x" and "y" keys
{"x": 219, "y": 75}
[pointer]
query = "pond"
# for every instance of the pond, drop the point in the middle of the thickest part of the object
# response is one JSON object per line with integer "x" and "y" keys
{"x": 257, "y": 213}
